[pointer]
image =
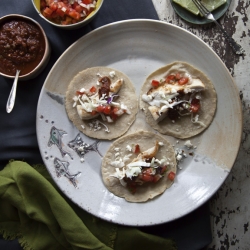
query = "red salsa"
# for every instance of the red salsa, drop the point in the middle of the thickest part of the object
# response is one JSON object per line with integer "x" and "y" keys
{"x": 22, "y": 46}
{"x": 67, "y": 11}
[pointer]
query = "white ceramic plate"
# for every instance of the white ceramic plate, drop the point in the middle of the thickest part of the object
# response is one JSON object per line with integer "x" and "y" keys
{"x": 138, "y": 47}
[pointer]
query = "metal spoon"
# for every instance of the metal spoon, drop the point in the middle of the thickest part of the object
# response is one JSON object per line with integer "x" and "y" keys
{"x": 12, "y": 96}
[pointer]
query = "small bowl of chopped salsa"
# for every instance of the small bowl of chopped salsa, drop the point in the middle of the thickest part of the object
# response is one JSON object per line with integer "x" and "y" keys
{"x": 67, "y": 14}
{"x": 23, "y": 46}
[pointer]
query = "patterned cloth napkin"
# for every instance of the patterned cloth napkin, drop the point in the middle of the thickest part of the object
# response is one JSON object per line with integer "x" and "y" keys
{"x": 33, "y": 210}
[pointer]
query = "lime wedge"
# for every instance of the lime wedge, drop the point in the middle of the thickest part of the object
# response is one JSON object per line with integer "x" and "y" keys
{"x": 190, "y": 6}
{"x": 213, "y": 4}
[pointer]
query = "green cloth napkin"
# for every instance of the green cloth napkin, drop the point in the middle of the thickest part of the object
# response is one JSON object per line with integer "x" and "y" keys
{"x": 33, "y": 210}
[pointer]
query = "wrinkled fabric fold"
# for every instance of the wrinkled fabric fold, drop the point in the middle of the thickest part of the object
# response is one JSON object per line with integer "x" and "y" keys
{"x": 33, "y": 210}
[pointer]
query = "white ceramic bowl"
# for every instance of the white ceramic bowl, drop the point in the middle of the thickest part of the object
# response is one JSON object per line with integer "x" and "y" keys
{"x": 36, "y": 4}
{"x": 43, "y": 62}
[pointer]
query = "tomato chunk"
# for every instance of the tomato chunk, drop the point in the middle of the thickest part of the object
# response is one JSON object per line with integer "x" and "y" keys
{"x": 60, "y": 13}
{"x": 171, "y": 176}
{"x": 78, "y": 8}
{"x": 183, "y": 80}
{"x": 137, "y": 149}
{"x": 170, "y": 78}
{"x": 53, "y": 7}
{"x": 74, "y": 14}
{"x": 66, "y": 12}
{"x": 155, "y": 83}
{"x": 93, "y": 89}
{"x": 107, "y": 110}
{"x": 47, "y": 12}
{"x": 195, "y": 105}
{"x": 100, "y": 108}
{"x": 147, "y": 178}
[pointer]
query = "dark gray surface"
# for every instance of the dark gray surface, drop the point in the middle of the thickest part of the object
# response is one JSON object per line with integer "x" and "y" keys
{"x": 18, "y": 129}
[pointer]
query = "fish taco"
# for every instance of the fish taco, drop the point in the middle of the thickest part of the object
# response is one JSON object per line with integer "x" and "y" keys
{"x": 178, "y": 100}
{"x": 139, "y": 166}
{"x": 101, "y": 102}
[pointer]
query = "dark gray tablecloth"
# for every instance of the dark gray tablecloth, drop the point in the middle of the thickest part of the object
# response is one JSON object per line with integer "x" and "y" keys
{"x": 18, "y": 129}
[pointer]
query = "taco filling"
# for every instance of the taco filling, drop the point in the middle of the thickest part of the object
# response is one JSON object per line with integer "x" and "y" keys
{"x": 145, "y": 168}
{"x": 175, "y": 95}
{"x": 100, "y": 100}
{"x": 178, "y": 100}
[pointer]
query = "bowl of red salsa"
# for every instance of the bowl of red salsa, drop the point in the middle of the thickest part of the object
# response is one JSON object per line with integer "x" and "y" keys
{"x": 23, "y": 46}
{"x": 67, "y": 14}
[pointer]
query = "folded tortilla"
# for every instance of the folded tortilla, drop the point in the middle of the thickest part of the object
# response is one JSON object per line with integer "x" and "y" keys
{"x": 145, "y": 140}
{"x": 182, "y": 128}
{"x": 88, "y": 78}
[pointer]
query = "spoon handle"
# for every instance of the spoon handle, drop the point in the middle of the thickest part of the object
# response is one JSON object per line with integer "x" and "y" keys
{"x": 12, "y": 96}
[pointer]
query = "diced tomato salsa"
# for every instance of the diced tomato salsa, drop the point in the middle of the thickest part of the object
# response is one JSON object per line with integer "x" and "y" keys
{"x": 67, "y": 11}
{"x": 181, "y": 80}
{"x": 155, "y": 83}
{"x": 195, "y": 105}
{"x": 148, "y": 175}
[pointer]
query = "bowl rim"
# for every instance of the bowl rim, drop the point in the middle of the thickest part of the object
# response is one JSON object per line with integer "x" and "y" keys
{"x": 47, "y": 46}
{"x": 70, "y": 26}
